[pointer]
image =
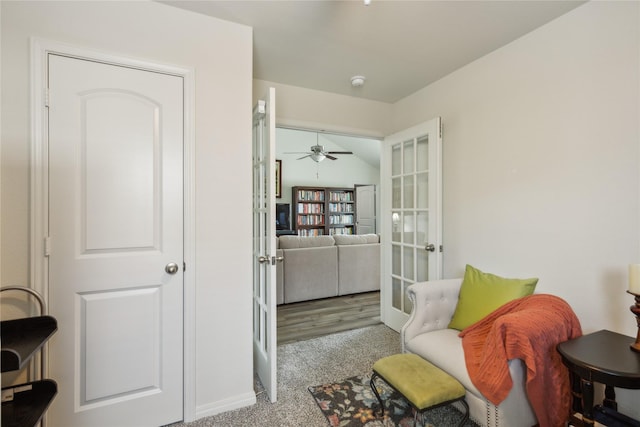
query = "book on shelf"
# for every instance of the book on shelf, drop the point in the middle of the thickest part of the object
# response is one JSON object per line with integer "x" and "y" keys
{"x": 310, "y": 232}
{"x": 341, "y": 196}
{"x": 311, "y": 220}
{"x": 304, "y": 208}
{"x": 341, "y": 219}
{"x": 341, "y": 231}
{"x": 311, "y": 195}
{"x": 341, "y": 207}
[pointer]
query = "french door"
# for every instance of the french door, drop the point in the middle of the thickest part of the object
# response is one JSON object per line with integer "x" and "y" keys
{"x": 264, "y": 244}
{"x": 411, "y": 216}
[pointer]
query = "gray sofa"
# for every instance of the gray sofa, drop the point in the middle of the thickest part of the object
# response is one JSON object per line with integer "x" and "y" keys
{"x": 327, "y": 266}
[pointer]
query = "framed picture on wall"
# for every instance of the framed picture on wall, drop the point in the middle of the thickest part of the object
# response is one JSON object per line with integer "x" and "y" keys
{"x": 278, "y": 179}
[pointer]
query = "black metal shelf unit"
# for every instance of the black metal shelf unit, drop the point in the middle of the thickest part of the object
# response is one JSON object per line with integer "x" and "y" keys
{"x": 24, "y": 405}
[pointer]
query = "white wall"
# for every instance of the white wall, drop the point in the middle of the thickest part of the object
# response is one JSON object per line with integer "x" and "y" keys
{"x": 347, "y": 171}
{"x": 221, "y": 54}
{"x": 313, "y": 109}
{"x": 541, "y": 161}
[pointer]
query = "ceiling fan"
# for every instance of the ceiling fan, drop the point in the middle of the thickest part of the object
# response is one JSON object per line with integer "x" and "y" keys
{"x": 318, "y": 153}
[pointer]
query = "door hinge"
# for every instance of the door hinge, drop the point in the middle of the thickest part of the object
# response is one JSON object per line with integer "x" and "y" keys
{"x": 46, "y": 97}
{"x": 440, "y": 129}
{"x": 184, "y": 266}
{"x": 47, "y": 246}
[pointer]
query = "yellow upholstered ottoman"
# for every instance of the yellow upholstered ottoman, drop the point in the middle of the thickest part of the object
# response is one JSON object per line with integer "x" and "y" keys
{"x": 423, "y": 385}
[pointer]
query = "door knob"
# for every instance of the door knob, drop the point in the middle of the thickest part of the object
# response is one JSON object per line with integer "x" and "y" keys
{"x": 430, "y": 247}
{"x": 263, "y": 259}
{"x": 171, "y": 268}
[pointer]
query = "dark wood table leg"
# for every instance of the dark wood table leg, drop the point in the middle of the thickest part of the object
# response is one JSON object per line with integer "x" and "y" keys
{"x": 610, "y": 398}
{"x": 576, "y": 393}
{"x": 587, "y": 402}
{"x": 576, "y": 400}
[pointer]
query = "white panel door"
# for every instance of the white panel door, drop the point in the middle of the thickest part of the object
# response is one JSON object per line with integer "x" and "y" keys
{"x": 412, "y": 216}
{"x": 366, "y": 209}
{"x": 264, "y": 244}
{"x": 116, "y": 244}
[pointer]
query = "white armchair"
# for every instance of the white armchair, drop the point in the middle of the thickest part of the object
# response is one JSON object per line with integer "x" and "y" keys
{"x": 426, "y": 334}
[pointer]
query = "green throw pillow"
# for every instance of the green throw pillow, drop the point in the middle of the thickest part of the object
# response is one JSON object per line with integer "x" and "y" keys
{"x": 481, "y": 293}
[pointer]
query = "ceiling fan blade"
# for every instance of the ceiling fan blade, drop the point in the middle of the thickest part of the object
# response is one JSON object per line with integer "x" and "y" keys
{"x": 304, "y": 157}
{"x": 296, "y": 152}
{"x": 328, "y": 156}
{"x": 339, "y": 152}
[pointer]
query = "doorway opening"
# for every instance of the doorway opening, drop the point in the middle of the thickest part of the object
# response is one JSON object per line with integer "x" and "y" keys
{"x": 335, "y": 187}
{"x": 298, "y": 169}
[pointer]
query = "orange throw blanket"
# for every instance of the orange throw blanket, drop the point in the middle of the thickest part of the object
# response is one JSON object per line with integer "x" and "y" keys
{"x": 528, "y": 328}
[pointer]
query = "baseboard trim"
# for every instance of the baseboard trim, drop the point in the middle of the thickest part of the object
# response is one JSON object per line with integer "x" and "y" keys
{"x": 229, "y": 404}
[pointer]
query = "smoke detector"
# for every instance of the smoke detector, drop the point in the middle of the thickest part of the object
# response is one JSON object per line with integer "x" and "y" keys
{"x": 357, "y": 81}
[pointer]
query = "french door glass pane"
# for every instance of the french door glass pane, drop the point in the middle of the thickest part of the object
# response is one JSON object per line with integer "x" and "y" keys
{"x": 396, "y": 293}
{"x": 263, "y": 186}
{"x": 256, "y": 320}
{"x": 396, "y": 260}
{"x": 407, "y": 302}
{"x": 422, "y": 228}
{"x": 408, "y": 263}
{"x": 408, "y": 157}
{"x": 408, "y": 227}
{"x": 408, "y": 192}
{"x": 423, "y": 265}
{"x": 396, "y": 227}
{"x": 423, "y": 153}
{"x": 396, "y": 193}
{"x": 396, "y": 160}
{"x": 422, "y": 190}
{"x": 265, "y": 345}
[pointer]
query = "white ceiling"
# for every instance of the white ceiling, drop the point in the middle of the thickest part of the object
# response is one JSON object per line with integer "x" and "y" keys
{"x": 366, "y": 149}
{"x": 399, "y": 46}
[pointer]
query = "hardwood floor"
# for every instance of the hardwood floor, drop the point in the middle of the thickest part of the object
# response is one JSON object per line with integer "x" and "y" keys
{"x": 309, "y": 319}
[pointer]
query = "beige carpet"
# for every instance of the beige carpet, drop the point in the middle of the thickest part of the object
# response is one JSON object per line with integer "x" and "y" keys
{"x": 305, "y": 363}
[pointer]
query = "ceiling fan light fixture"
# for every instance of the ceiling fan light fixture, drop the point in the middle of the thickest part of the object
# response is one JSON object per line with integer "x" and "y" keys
{"x": 318, "y": 157}
{"x": 358, "y": 81}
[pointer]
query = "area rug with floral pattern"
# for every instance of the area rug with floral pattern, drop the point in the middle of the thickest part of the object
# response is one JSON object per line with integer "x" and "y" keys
{"x": 351, "y": 403}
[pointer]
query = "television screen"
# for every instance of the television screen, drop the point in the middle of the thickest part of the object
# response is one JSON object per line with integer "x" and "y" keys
{"x": 282, "y": 216}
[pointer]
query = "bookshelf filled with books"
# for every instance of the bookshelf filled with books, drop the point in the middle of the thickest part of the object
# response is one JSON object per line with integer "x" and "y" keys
{"x": 321, "y": 211}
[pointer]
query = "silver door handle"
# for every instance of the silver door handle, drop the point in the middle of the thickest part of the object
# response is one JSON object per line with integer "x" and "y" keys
{"x": 430, "y": 247}
{"x": 171, "y": 268}
{"x": 278, "y": 259}
{"x": 263, "y": 259}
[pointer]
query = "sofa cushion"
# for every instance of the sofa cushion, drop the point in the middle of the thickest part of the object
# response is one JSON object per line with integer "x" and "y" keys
{"x": 358, "y": 268}
{"x": 310, "y": 273}
{"x": 443, "y": 348}
{"x": 481, "y": 293}
{"x": 297, "y": 242}
{"x": 359, "y": 239}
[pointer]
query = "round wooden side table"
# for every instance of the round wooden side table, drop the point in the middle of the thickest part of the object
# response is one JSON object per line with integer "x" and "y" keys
{"x": 603, "y": 357}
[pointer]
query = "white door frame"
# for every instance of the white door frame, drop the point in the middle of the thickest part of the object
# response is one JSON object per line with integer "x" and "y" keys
{"x": 39, "y": 263}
